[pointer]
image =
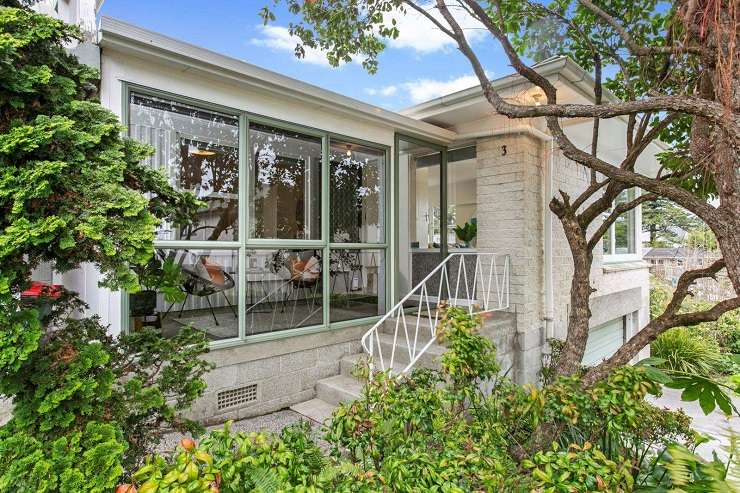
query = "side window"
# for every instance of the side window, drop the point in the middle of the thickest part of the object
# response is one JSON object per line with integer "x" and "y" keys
{"x": 622, "y": 236}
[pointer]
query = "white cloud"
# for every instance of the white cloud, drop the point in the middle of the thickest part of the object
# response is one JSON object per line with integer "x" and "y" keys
{"x": 421, "y": 35}
{"x": 386, "y": 91}
{"x": 422, "y": 90}
{"x": 278, "y": 38}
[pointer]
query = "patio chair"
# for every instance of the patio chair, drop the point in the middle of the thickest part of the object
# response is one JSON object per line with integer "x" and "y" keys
{"x": 203, "y": 278}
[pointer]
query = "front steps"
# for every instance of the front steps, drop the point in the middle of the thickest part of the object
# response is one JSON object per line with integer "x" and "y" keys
{"x": 345, "y": 387}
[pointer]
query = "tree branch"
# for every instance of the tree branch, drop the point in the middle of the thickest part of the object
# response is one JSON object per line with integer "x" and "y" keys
{"x": 634, "y": 48}
{"x": 614, "y": 215}
{"x": 667, "y": 320}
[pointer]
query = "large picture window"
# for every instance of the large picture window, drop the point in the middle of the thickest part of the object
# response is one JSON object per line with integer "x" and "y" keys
{"x": 296, "y": 267}
{"x": 198, "y": 151}
{"x": 286, "y": 184}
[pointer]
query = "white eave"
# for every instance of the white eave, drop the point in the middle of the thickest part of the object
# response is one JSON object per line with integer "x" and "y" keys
{"x": 122, "y": 36}
{"x": 561, "y": 67}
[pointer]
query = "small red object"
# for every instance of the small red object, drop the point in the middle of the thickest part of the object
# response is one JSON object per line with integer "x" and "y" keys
{"x": 42, "y": 289}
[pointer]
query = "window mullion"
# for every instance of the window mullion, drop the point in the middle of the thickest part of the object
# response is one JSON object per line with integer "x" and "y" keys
{"x": 325, "y": 226}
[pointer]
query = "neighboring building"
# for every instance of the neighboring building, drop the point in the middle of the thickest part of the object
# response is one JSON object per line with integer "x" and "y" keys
{"x": 668, "y": 264}
{"x": 324, "y": 211}
{"x": 661, "y": 256}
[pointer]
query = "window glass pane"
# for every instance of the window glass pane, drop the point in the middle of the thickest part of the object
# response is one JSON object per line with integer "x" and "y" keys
{"x": 198, "y": 151}
{"x": 283, "y": 290}
{"x": 357, "y": 284}
{"x": 419, "y": 213}
{"x": 462, "y": 198}
{"x": 624, "y": 226}
{"x": 285, "y": 167}
{"x": 606, "y": 241}
{"x": 357, "y": 193}
{"x": 207, "y": 298}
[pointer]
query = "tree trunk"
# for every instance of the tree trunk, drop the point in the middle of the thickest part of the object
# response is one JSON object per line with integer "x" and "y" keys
{"x": 580, "y": 292}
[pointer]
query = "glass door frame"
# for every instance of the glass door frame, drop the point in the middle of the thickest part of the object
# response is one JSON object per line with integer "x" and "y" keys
{"x": 443, "y": 247}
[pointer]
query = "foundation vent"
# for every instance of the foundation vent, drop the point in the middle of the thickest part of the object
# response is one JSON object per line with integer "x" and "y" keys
{"x": 237, "y": 397}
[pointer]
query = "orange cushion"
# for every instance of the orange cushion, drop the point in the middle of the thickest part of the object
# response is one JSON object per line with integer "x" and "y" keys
{"x": 215, "y": 271}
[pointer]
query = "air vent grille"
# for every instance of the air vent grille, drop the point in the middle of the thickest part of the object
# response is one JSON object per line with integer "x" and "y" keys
{"x": 237, "y": 397}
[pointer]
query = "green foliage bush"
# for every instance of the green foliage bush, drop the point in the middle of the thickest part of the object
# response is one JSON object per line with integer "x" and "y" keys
{"x": 87, "y": 407}
{"x": 686, "y": 350}
{"x": 439, "y": 431}
{"x": 704, "y": 349}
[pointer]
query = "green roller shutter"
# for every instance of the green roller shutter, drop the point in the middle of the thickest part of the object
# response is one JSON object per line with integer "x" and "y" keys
{"x": 603, "y": 341}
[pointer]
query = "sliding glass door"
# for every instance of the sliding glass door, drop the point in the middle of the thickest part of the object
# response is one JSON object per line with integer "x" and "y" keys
{"x": 422, "y": 234}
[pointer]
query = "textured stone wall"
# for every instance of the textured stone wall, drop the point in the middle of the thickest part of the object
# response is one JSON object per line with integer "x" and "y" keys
{"x": 511, "y": 202}
{"x": 284, "y": 370}
{"x": 510, "y": 222}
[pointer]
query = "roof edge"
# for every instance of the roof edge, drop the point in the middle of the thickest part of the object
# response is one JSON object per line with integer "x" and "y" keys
{"x": 123, "y": 35}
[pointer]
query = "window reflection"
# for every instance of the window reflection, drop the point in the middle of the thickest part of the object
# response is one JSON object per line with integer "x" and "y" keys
{"x": 357, "y": 284}
{"x": 357, "y": 193}
{"x": 205, "y": 295}
{"x": 620, "y": 238}
{"x": 286, "y": 184}
{"x": 283, "y": 289}
{"x": 198, "y": 151}
{"x": 462, "y": 198}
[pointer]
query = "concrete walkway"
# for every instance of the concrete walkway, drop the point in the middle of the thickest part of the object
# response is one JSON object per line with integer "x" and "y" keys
{"x": 716, "y": 425}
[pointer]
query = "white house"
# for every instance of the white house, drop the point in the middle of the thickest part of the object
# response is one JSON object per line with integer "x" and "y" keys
{"x": 323, "y": 212}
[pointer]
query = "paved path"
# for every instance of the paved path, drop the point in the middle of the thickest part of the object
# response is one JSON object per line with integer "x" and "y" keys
{"x": 716, "y": 424}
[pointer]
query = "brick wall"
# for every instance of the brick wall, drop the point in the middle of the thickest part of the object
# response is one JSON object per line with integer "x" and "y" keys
{"x": 510, "y": 222}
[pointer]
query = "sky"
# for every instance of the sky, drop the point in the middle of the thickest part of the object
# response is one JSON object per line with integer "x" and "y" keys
{"x": 421, "y": 64}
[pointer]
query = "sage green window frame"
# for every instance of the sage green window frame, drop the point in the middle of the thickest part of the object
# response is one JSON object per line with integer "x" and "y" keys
{"x": 443, "y": 247}
{"x": 245, "y": 243}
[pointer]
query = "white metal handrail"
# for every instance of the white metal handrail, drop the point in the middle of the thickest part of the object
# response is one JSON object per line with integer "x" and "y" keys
{"x": 481, "y": 284}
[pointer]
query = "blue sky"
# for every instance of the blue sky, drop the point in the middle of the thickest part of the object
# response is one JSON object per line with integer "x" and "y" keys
{"x": 418, "y": 66}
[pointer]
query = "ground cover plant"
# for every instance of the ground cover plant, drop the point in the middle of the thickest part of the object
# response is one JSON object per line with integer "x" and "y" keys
{"x": 439, "y": 431}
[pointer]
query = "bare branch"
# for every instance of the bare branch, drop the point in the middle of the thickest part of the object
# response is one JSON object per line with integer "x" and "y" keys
{"x": 429, "y": 16}
{"x": 614, "y": 215}
{"x": 669, "y": 319}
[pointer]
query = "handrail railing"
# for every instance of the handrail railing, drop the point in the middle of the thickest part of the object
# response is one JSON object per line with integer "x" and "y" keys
{"x": 481, "y": 284}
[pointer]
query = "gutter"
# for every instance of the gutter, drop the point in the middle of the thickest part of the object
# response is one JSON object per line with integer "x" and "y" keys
{"x": 127, "y": 38}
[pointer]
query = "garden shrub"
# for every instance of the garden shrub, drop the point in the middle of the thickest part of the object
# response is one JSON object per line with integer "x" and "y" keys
{"x": 445, "y": 431}
{"x": 578, "y": 469}
{"x": 87, "y": 407}
{"x": 686, "y": 350}
{"x": 707, "y": 349}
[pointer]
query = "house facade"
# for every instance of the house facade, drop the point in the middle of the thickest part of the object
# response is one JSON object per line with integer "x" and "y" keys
{"x": 322, "y": 212}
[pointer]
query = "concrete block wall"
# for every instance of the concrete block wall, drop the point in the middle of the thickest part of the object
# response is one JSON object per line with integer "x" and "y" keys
{"x": 285, "y": 372}
{"x": 510, "y": 222}
{"x": 611, "y": 281}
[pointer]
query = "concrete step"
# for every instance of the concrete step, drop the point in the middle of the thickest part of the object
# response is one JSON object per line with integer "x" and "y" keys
{"x": 340, "y": 388}
{"x": 315, "y": 409}
{"x": 430, "y": 359}
{"x": 348, "y": 363}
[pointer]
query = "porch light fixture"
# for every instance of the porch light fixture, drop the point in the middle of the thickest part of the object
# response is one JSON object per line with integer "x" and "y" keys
{"x": 349, "y": 150}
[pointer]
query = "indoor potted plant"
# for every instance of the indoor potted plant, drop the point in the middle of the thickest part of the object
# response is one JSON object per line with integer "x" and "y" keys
{"x": 467, "y": 232}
